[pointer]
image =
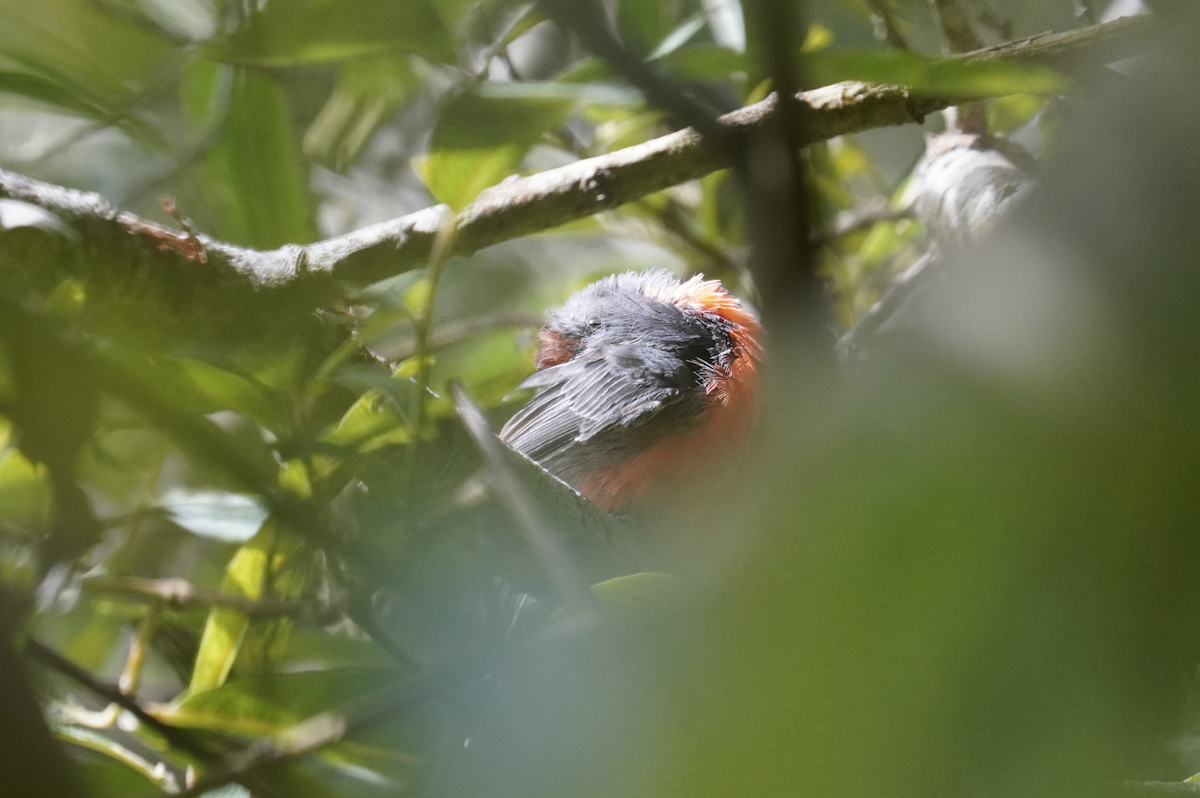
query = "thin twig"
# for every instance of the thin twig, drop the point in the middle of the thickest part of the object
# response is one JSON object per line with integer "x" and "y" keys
{"x": 181, "y": 594}
{"x": 453, "y": 333}
{"x": 899, "y": 290}
{"x": 852, "y": 221}
{"x": 131, "y": 676}
{"x": 587, "y": 20}
{"x": 178, "y": 738}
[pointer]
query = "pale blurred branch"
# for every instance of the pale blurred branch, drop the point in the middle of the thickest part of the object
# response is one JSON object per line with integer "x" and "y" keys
{"x": 886, "y": 27}
{"x": 523, "y": 206}
{"x": 959, "y": 36}
{"x": 181, "y": 594}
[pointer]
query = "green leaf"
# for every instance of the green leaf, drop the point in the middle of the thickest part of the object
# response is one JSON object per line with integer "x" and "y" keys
{"x": 96, "y": 56}
{"x": 253, "y": 177}
{"x": 220, "y": 515}
{"x": 480, "y": 139}
{"x": 680, "y": 36}
{"x": 56, "y": 93}
{"x": 951, "y": 76}
{"x": 291, "y": 32}
{"x": 25, "y": 496}
{"x": 247, "y": 576}
{"x": 368, "y": 89}
{"x": 636, "y": 590}
{"x": 369, "y": 424}
{"x": 261, "y": 706}
{"x": 213, "y": 388}
{"x": 134, "y": 773}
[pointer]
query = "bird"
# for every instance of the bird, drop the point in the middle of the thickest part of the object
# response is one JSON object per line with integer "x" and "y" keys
{"x": 639, "y": 376}
{"x": 966, "y": 182}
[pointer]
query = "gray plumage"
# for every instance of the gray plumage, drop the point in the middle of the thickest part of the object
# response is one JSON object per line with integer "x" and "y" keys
{"x": 965, "y": 182}
{"x": 638, "y": 374}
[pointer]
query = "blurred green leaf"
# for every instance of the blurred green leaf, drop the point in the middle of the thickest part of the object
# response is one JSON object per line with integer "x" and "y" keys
{"x": 247, "y": 576}
{"x": 680, "y": 36}
{"x": 637, "y": 590}
{"x": 368, "y": 89}
{"x": 704, "y": 62}
{"x": 52, "y": 92}
{"x": 370, "y": 423}
{"x": 480, "y": 139}
{"x": 291, "y": 32}
{"x": 25, "y": 496}
{"x": 641, "y": 23}
{"x": 91, "y": 53}
{"x": 125, "y": 770}
{"x": 253, "y": 177}
{"x": 932, "y": 75}
{"x": 261, "y": 706}
{"x": 208, "y": 388}
{"x": 224, "y": 516}
{"x": 1006, "y": 114}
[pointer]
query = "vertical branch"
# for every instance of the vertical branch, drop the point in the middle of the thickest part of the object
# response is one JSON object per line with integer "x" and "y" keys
{"x": 773, "y": 175}
{"x": 959, "y": 36}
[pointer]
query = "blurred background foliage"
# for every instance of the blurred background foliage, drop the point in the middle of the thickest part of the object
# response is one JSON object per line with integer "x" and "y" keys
{"x": 967, "y": 568}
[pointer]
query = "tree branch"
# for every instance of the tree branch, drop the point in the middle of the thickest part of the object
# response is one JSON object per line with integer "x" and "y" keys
{"x": 522, "y": 206}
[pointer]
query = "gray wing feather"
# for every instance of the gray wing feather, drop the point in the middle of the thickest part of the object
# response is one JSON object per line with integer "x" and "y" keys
{"x": 576, "y": 401}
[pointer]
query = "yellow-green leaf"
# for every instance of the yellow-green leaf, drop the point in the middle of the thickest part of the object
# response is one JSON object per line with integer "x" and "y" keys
{"x": 246, "y": 577}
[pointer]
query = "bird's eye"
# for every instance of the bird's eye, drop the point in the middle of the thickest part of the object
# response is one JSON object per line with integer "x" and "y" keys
{"x": 594, "y": 323}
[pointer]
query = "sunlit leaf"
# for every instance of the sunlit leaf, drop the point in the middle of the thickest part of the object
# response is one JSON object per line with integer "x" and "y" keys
{"x": 288, "y": 32}
{"x": 224, "y": 516}
{"x": 247, "y": 576}
{"x": 817, "y": 38}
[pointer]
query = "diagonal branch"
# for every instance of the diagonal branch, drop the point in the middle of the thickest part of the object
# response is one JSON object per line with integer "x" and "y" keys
{"x": 522, "y": 206}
